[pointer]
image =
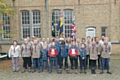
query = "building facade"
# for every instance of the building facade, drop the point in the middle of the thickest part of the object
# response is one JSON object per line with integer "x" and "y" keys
{"x": 34, "y": 18}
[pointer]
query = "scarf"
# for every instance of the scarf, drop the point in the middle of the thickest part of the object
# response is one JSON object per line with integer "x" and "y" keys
{"x": 106, "y": 48}
{"x": 93, "y": 46}
{"x": 82, "y": 52}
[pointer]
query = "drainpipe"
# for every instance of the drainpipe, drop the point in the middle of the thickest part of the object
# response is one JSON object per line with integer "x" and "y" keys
{"x": 47, "y": 18}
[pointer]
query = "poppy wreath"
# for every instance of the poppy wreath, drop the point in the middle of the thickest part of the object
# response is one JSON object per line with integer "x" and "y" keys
{"x": 53, "y": 52}
{"x": 73, "y": 54}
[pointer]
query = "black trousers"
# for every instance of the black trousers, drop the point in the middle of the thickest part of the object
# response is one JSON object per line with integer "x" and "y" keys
{"x": 82, "y": 63}
{"x": 26, "y": 62}
{"x": 65, "y": 62}
{"x": 88, "y": 60}
{"x": 99, "y": 61}
{"x": 74, "y": 62}
{"x": 93, "y": 65}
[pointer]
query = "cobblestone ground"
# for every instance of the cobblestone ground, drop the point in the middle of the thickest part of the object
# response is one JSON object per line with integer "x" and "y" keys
{"x": 7, "y": 74}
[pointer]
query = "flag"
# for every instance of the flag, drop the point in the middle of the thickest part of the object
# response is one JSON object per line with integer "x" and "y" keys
{"x": 60, "y": 25}
{"x": 73, "y": 29}
{"x": 53, "y": 27}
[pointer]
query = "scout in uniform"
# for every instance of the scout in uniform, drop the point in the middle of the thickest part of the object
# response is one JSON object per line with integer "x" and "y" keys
{"x": 48, "y": 43}
{"x": 44, "y": 56}
{"x": 63, "y": 56}
{"x": 30, "y": 43}
{"x": 93, "y": 56}
{"x": 99, "y": 48}
{"x": 26, "y": 55}
{"x": 105, "y": 55}
{"x": 36, "y": 48}
{"x": 78, "y": 45}
{"x": 88, "y": 44}
{"x": 14, "y": 52}
{"x": 43, "y": 42}
{"x": 58, "y": 44}
{"x": 52, "y": 53}
{"x": 73, "y": 53}
{"x": 82, "y": 59}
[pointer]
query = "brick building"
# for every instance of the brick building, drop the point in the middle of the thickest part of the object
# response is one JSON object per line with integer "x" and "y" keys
{"x": 93, "y": 17}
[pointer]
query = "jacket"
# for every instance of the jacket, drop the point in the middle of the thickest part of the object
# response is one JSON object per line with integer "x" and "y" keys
{"x": 82, "y": 52}
{"x": 14, "y": 51}
{"x": 64, "y": 51}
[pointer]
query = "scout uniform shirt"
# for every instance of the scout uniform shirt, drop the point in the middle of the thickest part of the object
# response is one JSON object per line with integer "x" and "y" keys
{"x": 26, "y": 50}
{"x": 36, "y": 49}
{"x": 93, "y": 52}
{"x": 44, "y": 54}
{"x": 14, "y": 51}
{"x": 64, "y": 51}
{"x": 88, "y": 45}
{"x": 106, "y": 50}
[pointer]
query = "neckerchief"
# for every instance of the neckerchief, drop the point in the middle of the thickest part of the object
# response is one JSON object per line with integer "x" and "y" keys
{"x": 93, "y": 46}
{"x": 63, "y": 50}
{"x": 44, "y": 53}
{"x": 14, "y": 49}
{"x": 106, "y": 48}
{"x": 35, "y": 48}
{"x": 25, "y": 47}
{"x": 82, "y": 52}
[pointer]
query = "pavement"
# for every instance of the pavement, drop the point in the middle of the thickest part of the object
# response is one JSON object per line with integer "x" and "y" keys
{"x": 6, "y": 73}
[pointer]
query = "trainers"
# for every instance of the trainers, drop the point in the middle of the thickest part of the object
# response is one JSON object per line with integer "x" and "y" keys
{"x": 29, "y": 70}
{"x": 14, "y": 70}
{"x": 76, "y": 72}
{"x": 23, "y": 70}
{"x": 109, "y": 72}
{"x": 81, "y": 71}
{"x": 67, "y": 71}
{"x": 50, "y": 71}
{"x": 33, "y": 71}
{"x": 85, "y": 72}
{"x": 58, "y": 72}
{"x": 39, "y": 71}
{"x": 101, "y": 72}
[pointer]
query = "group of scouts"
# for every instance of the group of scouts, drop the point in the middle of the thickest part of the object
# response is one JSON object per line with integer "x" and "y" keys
{"x": 56, "y": 52}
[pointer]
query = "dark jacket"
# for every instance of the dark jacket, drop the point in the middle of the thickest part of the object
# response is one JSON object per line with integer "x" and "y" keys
{"x": 44, "y": 54}
{"x": 82, "y": 52}
{"x": 64, "y": 51}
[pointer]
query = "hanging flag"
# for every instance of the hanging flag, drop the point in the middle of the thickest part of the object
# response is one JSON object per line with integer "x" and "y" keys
{"x": 53, "y": 27}
{"x": 60, "y": 25}
{"x": 73, "y": 29}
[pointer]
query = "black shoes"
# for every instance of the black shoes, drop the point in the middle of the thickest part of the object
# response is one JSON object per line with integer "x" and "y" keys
{"x": 109, "y": 72}
{"x": 33, "y": 71}
{"x": 101, "y": 72}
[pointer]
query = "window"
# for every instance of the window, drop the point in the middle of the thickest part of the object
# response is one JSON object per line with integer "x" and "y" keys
{"x": 56, "y": 19}
{"x": 6, "y": 27}
{"x": 31, "y": 24}
{"x": 25, "y": 24}
{"x": 36, "y": 23}
{"x": 104, "y": 31}
{"x": 68, "y": 15}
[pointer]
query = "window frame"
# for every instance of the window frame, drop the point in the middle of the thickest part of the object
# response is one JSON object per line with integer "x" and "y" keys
{"x": 6, "y": 25}
{"x": 31, "y": 24}
{"x": 69, "y": 24}
{"x": 105, "y": 33}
